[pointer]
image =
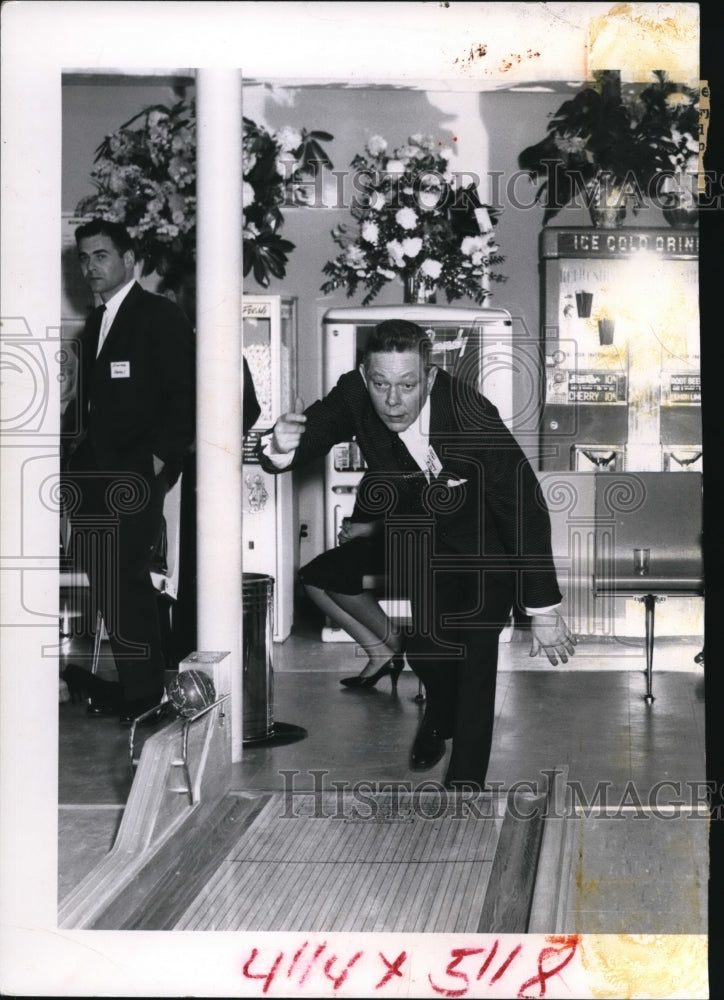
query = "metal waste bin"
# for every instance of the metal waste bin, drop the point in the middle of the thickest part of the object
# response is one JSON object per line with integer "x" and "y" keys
{"x": 258, "y": 681}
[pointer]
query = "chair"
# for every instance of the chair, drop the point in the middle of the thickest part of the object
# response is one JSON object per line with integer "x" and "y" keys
{"x": 659, "y": 514}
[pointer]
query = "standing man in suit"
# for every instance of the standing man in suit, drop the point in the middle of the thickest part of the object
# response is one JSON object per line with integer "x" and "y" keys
{"x": 464, "y": 520}
{"x": 136, "y": 404}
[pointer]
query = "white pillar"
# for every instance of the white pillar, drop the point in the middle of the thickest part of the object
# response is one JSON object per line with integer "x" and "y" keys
{"x": 218, "y": 374}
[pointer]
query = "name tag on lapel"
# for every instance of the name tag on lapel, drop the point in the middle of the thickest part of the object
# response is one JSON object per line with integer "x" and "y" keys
{"x": 434, "y": 465}
{"x": 120, "y": 369}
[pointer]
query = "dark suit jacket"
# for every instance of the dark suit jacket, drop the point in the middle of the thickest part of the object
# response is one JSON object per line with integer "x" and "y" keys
{"x": 137, "y": 397}
{"x": 485, "y": 505}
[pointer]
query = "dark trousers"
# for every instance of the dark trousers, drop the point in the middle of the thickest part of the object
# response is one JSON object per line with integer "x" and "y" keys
{"x": 117, "y": 521}
{"x": 453, "y": 649}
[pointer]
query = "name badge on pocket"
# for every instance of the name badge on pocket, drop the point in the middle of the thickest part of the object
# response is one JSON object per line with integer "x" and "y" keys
{"x": 120, "y": 369}
{"x": 434, "y": 465}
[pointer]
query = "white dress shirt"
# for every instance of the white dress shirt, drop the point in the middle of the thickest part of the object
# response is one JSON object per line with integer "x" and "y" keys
{"x": 111, "y": 309}
{"x": 416, "y": 438}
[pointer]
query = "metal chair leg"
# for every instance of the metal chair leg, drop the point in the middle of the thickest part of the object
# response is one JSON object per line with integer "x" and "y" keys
{"x": 649, "y": 604}
{"x": 97, "y": 643}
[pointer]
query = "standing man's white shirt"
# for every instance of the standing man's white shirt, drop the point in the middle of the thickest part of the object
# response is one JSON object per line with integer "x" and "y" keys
{"x": 111, "y": 311}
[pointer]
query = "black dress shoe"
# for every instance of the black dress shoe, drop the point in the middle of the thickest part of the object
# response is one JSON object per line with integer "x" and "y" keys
{"x": 428, "y": 747}
{"x": 393, "y": 667}
{"x": 104, "y": 697}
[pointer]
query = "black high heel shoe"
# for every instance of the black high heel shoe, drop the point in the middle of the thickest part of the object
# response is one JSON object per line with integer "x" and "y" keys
{"x": 393, "y": 667}
{"x": 104, "y": 697}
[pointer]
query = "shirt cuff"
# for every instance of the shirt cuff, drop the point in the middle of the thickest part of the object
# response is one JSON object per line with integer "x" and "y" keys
{"x": 279, "y": 459}
{"x": 542, "y": 611}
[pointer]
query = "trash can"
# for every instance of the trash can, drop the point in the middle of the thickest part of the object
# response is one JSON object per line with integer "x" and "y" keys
{"x": 258, "y": 681}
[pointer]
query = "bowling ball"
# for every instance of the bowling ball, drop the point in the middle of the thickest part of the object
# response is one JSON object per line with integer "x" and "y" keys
{"x": 190, "y": 691}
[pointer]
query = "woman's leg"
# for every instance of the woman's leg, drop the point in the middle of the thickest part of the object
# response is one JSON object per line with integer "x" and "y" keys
{"x": 361, "y": 616}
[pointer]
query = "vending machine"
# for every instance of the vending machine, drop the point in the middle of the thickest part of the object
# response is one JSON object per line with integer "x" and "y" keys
{"x": 621, "y": 340}
{"x": 620, "y": 336}
{"x": 475, "y": 344}
{"x": 269, "y": 339}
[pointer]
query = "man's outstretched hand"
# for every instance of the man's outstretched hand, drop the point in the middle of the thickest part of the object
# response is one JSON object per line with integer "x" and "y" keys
{"x": 289, "y": 428}
{"x": 550, "y": 633}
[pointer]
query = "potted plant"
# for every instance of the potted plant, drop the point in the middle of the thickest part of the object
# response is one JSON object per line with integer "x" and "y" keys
{"x": 591, "y": 148}
{"x": 413, "y": 225}
{"x": 145, "y": 176}
{"x": 669, "y": 127}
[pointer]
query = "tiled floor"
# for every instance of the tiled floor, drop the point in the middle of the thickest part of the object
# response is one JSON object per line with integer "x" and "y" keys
{"x": 634, "y": 864}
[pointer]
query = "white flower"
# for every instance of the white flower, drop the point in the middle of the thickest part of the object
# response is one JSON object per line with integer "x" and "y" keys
{"x": 677, "y": 100}
{"x": 396, "y": 253}
{"x": 571, "y": 145}
{"x": 424, "y": 142}
{"x": 491, "y": 245}
{"x": 432, "y": 193}
{"x": 406, "y": 218}
{"x": 116, "y": 182}
{"x": 370, "y": 232}
{"x": 395, "y": 167}
{"x": 385, "y": 273}
{"x": 355, "y": 256}
{"x": 471, "y": 245}
{"x": 177, "y": 169}
{"x": 431, "y": 268}
{"x": 182, "y": 141}
{"x": 288, "y": 138}
{"x": 248, "y": 161}
{"x": 692, "y": 144}
{"x": 411, "y": 246}
{"x": 156, "y": 117}
{"x": 377, "y": 201}
{"x": 407, "y": 152}
{"x": 431, "y": 180}
{"x": 376, "y": 145}
{"x": 247, "y": 194}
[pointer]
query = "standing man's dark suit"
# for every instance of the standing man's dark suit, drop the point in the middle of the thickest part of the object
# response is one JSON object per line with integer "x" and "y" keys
{"x": 136, "y": 402}
{"x": 475, "y": 540}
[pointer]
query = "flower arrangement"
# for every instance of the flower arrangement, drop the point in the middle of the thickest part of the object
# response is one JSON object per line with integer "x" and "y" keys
{"x": 274, "y": 167}
{"x": 145, "y": 175}
{"x": 412, "y": 224}
{"x": 669, "y": 126}
{"x": 602, "y": 144}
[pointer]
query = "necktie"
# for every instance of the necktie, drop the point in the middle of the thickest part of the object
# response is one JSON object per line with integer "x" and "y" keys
{"x": 105, "y": 324}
